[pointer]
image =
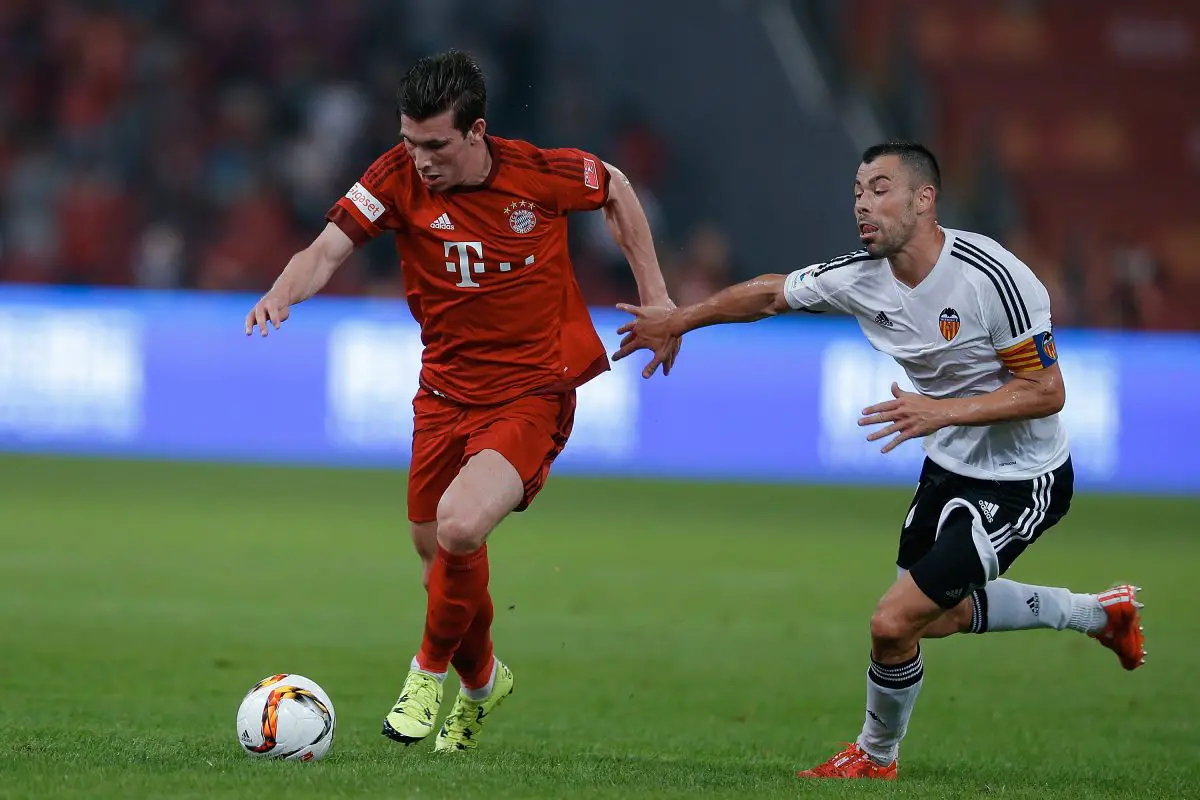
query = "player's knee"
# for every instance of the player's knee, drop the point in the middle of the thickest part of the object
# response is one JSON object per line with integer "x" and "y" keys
{"x": 890, "y": 630}
{"x": 460, "y": 530}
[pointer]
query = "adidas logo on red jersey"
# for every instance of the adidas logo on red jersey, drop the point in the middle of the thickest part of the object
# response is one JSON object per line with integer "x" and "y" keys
{"x": 442, "y": 223}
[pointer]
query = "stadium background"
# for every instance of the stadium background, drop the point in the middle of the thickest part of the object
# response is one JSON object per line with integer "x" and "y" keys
{"x": 159, "y": 163}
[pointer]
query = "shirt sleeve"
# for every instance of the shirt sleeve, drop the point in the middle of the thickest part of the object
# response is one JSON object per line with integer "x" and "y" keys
{"x": 820, "y": 288}
{"x": 574, "y": 180}
{"x": 370, "y": 207}
{"x": 1016, "y": 309}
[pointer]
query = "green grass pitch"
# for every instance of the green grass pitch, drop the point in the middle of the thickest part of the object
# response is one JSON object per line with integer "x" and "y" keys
{"x": 668, "y": 640}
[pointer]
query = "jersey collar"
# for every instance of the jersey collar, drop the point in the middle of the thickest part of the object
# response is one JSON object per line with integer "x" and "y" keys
{"x": 934, "y": 275}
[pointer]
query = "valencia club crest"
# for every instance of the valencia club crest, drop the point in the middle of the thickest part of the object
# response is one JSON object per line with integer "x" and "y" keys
{"x": 949, "y": 323}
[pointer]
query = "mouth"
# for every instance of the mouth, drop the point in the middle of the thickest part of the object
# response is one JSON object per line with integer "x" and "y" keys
{"x": 430, "y": 178}
{"x": 867, "y": 230}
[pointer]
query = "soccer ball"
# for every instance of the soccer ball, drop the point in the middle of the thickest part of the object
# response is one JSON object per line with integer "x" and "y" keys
{"x": 287, "y": 717}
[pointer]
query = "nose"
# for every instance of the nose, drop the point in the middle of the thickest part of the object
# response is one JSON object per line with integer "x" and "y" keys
{"x": 860, "y": 206}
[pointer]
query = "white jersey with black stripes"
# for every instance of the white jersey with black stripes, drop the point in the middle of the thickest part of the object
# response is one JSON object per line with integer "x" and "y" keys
{"x": 978, "y": 317}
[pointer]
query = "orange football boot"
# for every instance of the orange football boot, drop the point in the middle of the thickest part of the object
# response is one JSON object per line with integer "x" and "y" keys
{"x": 853, "y": 762}
{"x": 1123, "y": 633}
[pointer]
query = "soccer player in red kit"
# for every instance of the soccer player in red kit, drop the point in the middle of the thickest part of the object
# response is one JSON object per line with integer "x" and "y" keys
{"x": 480, "y": 225}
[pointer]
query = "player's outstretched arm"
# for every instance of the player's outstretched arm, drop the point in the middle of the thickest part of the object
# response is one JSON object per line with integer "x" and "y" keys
{"x": 630, "y": 229}
{"x": 305, "y": 274}
{"x": 655, "y": 328}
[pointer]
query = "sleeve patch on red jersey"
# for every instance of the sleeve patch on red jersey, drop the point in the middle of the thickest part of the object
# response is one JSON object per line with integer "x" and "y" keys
{"x": 591, "y": 175}
{"x": 365, "y": 202}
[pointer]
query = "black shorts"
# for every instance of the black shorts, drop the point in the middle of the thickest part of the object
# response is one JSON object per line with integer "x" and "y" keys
{"x": 962, "y": 532}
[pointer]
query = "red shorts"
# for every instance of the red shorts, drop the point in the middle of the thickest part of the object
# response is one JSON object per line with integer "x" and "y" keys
{"x": 529, "y": 432}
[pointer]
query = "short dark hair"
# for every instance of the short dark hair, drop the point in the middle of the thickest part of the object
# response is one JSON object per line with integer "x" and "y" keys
{"x": 439, "y": 83}
{"x": 913, "y": 155}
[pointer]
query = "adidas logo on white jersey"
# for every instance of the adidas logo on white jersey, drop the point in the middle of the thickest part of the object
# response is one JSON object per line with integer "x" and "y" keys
{"x": 882, "y": 319}
{"x": 442, "y": 223}
{"x": 989, "y": 509}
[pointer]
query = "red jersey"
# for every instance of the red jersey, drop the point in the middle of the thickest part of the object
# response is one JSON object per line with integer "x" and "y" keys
{"x": 486, "y": 269}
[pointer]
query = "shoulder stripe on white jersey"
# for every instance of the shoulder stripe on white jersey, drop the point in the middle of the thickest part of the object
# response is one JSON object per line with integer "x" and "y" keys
{"x": 1008, "y": 312}
{"x": 841, "y": 261}
{"x": 853, "y": 255}
{"x": 1005, "y": 277}
{"x": 1014, "y": 320}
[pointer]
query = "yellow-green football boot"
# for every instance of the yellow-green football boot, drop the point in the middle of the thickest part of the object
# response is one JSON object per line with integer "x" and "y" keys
{"x": 461, "y": 729}
{"x": 411, "y": 719}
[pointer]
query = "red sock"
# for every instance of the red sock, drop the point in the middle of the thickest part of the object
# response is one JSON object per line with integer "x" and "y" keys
{"x": 473, "y": 661}
{"x": 457, "y": 591}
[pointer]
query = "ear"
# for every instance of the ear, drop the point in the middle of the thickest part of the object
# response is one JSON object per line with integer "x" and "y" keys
{"x": 477, "y": 131}
{"x": 926, "y": 196}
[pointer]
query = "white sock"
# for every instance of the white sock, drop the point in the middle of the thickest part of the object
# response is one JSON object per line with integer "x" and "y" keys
{"x": 892, "y": 691}
{"x": 416, "y": 667}
{"x": 482, "y": 693}
{"x": 1005, "y": 605}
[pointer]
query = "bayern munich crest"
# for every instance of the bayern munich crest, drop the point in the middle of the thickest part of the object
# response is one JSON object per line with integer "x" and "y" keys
{"x": 521, "y": 216}
{"x": 949, "y": 323}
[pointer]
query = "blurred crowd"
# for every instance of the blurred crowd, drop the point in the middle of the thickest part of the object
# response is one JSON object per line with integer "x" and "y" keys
{"x": 198, "y": 143}
{"x": 1062, "y": 129}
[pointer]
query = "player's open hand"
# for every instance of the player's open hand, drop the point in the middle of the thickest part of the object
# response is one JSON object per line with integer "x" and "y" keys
{"x": 912, "y": 415}
{"x": 272, "y": 308}
{"x": 650, "y": 329}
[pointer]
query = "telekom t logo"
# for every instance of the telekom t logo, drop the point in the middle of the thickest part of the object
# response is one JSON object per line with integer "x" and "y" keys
{"x": 464, "y": 265}
{"x": 466, "y": 268}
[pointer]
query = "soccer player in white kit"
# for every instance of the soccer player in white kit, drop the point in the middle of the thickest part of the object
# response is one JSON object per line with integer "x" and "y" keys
{"x": 970, "y": 325}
